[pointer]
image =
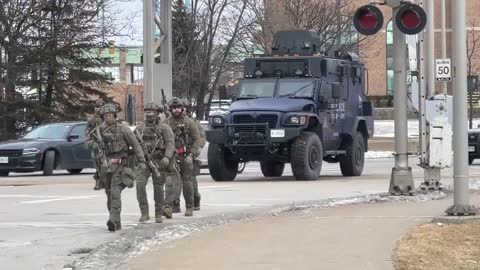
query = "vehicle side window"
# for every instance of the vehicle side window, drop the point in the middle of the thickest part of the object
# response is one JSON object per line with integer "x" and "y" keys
{"x": 79, "y": 130}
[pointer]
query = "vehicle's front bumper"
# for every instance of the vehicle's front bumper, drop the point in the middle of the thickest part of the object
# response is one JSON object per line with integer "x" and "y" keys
{"x": 225, "y": 136}
{"x": 19, "y": 163}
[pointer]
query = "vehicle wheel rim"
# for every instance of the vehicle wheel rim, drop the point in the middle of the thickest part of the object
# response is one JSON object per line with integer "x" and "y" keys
{"x": 313, "y": 157}
{"x": 358, "y": 156}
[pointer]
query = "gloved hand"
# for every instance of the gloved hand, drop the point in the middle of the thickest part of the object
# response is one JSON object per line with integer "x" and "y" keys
{"x": 189, "y": 159}
{"x": 164, "y": 163}
{"x": 142, "y": 166}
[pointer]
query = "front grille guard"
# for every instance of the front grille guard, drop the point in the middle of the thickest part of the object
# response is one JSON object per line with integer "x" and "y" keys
{"x": 256, "y": 137}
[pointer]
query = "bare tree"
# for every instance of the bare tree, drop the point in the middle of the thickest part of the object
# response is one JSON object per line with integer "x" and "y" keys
{"x": 473, "y": 41}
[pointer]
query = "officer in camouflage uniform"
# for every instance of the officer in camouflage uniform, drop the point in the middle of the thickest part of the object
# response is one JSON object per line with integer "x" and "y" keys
{"x": 187, "y": 145}
{"x": 116, "y": 139}
{"x": 93, "y": 122}
{"x": 197, "y": 163}
{"x": 159, "y": 144}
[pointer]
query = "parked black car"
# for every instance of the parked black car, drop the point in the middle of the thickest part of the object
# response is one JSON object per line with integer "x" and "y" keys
{"x": 473, "y": 145}
{"x": 47, "y": 148}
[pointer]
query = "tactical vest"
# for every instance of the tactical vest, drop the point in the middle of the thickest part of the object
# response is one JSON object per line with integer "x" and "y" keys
{"x": 153, "y": 138}
{"x": 182, "y": 134}
{"x": 115, "y": 141}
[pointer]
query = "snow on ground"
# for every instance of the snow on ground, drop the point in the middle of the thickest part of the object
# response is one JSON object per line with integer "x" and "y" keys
{"x": 378, "y": 154}
{"x": 386, "y": 128}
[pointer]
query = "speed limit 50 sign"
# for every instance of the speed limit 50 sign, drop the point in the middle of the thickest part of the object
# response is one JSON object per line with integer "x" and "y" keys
{"x": 443, "y": 69}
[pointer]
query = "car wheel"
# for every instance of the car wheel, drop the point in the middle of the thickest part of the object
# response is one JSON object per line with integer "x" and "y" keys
{"x": 75, "y": 171}
{"x": 221, "y": 163}
{"x": 49, "y": 163}
{"x": 4, "y": 173}
{"x": 352, "y": 163}
{"x": 307, "y": 156}
{"x": 272, "y": 168}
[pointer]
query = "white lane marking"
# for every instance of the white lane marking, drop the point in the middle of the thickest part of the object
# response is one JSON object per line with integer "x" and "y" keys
{"x": 207, "y": 187}
{"x": 65, "y": 198}
{"x": 235, "y": 204}
{"x": 15, "y": 244}
{"x": 28, "y": 196}
{"x": 59, "y": 224}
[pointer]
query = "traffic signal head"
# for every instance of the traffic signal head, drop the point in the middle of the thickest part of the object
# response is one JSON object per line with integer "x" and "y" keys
{"x": 411, "y": 19}
{"x": 368, "y": 20}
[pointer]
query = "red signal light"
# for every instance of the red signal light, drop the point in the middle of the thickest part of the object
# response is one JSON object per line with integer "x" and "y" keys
{"x": 368, "y": 20}
{"x": 411, "y": 19}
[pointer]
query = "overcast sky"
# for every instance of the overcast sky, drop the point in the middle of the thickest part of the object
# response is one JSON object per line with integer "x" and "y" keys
{"x": 131, "y": 9}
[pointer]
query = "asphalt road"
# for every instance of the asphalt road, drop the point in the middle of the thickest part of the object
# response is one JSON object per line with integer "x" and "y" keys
{"x": 46, "y": 221}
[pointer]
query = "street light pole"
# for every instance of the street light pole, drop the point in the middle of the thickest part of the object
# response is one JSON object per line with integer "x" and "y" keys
{"x": 461, "y": 204}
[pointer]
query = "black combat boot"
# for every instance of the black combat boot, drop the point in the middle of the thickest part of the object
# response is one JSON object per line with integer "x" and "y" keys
{"x": 196, "y": 203}
{"x": 176, "y": 207}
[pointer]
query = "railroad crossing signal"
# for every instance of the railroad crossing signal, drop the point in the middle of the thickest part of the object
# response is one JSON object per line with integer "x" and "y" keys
{"x": 410, "y": 19}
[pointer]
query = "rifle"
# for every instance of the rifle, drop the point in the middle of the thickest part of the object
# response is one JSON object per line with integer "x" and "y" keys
{"x": 102, "y": 151}
{"x": 148, "y": 156}
{"x": 164, "y": 104}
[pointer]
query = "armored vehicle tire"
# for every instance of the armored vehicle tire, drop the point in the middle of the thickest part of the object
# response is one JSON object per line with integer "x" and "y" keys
{"x": 4, "y": 173}
{"x": 272, "y": 168}
{"x": 221, "y": 164}
{"x": 352, "y": 163}
{"x": 49, "y": 163}
{"x": 307, "y": 156}
{"x": 74, "y": 171}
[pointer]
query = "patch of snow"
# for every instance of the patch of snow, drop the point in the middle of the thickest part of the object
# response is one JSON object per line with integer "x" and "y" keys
{"x": 379, "y": 154}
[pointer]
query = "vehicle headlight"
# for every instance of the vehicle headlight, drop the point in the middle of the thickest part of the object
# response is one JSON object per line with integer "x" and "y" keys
{"x": 296, "y": 120}
{"x": 30, "y": 151}
{"x": 217, "y": 121}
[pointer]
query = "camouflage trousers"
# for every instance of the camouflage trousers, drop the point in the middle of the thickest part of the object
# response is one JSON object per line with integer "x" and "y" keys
{"x": 115, "y": 182}
{"x": 158, "y": 191}
{"x": 175, "y": 186}
{"x": 196, "y": 193}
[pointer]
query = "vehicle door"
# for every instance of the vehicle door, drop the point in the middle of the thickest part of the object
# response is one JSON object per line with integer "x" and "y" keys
{"x": 77, "y": 155}
{"x": 329, "y": 105}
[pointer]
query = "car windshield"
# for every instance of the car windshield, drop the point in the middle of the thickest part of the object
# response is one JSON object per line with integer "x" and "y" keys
{"x": 295, "y": 88}
{"x": 256, "y": 88}
{"x": 53, "y": 131}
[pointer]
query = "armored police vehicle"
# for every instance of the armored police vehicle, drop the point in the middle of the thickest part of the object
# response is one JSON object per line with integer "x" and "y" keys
{"x": 294, "y": 106}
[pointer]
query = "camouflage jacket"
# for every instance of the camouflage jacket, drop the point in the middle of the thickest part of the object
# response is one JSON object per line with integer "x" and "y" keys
{"x": 187, "y": 137}
{"x": 158, "y": 139}
{"x": 118, "y": 138}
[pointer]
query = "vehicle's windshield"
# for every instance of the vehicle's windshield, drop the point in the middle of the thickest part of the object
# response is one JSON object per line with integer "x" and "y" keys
{"x": 53, "y": 131}
{"x": 257, "y": 88}
{"x": 295, "y": 88}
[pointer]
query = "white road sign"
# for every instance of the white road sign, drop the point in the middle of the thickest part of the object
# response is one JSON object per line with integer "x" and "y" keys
{"x": 443, "y": 69}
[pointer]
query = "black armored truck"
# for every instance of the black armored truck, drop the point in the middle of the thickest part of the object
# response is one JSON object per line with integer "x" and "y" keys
{"x": 295, "y": 105}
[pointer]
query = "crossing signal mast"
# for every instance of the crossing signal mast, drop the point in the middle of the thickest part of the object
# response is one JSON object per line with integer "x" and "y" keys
{"x": 409, "y": 19}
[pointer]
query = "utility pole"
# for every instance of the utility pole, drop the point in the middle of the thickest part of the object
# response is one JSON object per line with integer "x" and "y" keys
{"x": 461, "y": 197}
{"x": 148, "y": 53}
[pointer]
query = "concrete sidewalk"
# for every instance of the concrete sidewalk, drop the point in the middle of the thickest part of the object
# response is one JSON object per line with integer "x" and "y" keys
{"x": 347, "y": 237}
